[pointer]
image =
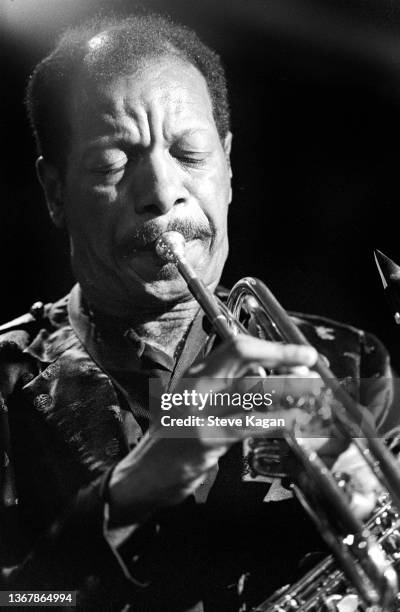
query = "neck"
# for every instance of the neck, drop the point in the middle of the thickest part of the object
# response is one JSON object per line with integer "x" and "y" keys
{"x": 162, "y": 328}
{"x": 168, "y": 329}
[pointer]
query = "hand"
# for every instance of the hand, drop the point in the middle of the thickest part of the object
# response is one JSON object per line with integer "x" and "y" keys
{"x": 163, "y": 471}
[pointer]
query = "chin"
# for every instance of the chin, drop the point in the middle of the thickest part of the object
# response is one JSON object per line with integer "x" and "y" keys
{"x": 168, "y": 272}
{"x": 167, "y": 289}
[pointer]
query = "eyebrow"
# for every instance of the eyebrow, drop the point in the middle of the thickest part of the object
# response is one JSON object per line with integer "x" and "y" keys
{"x": 110, "y": 141}
{"x": 189, "y": 131}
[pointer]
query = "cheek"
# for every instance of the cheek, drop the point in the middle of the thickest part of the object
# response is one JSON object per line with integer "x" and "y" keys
{"x": 213, "y": 192}
{"x": 91, "y": 213}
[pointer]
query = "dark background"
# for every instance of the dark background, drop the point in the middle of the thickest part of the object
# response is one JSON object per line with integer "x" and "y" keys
{"x": 315, "y": 95}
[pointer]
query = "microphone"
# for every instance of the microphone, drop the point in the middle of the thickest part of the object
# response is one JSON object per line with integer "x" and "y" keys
{"x": 389, "y": 272}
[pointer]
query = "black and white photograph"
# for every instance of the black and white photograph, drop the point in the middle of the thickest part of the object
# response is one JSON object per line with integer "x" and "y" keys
{"x": 200, "y": 316}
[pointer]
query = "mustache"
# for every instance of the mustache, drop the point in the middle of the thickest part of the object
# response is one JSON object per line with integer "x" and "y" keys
{"x": 144, "y": 236}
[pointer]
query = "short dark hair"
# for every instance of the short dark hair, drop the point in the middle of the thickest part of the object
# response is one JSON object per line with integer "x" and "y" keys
{"x": 130, "y": 40}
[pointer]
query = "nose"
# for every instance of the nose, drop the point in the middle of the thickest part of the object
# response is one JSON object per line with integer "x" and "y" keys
{"x": 158, "y": 184}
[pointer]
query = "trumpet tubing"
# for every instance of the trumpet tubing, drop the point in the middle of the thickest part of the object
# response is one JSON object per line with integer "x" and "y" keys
{"x": 362, "y": 558}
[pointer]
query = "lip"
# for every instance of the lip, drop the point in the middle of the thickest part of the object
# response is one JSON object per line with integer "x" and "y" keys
{"x": 146, "y": 265}
{"x": 136, "y": 247}
{"x": 146, "y": 257}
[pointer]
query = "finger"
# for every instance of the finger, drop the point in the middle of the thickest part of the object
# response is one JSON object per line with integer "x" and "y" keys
{"x": 234, "y": 356}
{"x": 210, "y": 395}
{"x": 272, "y": 354}
{"x": 300, "y": 386}
{"x": 278, "y": 392}
{"x": 241, "y": 425}
{"x": 295, "y": 371}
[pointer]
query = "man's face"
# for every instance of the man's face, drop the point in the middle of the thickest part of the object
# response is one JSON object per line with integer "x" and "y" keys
{"x": 145, "y": 157}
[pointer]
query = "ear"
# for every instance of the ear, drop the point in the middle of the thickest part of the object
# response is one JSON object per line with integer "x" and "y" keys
{"x": 50, "y": 181}
{"x": 227, "y": 144}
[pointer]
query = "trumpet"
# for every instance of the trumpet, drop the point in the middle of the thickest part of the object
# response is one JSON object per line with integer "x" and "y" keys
{"x": 365, "y": 565}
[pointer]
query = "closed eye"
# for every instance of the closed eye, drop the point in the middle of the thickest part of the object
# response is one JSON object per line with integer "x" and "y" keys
{"x": 191, "y": 161}
{"x": 190, "y": 158}
{"x": 109, "y": 163}
{"x": 119, "y": 165}
{"x": 110, "y": 169}
{"x": 110, "y": 174}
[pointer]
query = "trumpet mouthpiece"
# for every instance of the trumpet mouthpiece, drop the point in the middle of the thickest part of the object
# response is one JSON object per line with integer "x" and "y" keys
{"x": 170, "y": 247}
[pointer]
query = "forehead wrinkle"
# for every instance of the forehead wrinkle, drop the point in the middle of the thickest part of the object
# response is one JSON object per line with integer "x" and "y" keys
{"x": 113, "y": 121}
{"x": 169, "y": 119}
{"x": 151, "y": 118}
{"x": 137, "y": 119}
{"x": 156, "y": 123}
{"x": 177, "y": 97}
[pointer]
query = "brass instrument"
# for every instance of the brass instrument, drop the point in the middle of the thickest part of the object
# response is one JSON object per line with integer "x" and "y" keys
{"x": 358, "y": 548}
{"x": 326, "y": 587}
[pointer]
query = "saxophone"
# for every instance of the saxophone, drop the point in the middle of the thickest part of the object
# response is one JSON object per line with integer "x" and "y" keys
{"x": 326, "y": 588}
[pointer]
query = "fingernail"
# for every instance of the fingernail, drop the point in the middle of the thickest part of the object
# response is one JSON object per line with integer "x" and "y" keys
{"x": 300, "y": 370}
{"x": 308, "y": 354}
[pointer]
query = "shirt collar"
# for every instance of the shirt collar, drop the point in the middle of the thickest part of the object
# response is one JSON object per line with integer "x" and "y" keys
{"x": 120, "y": 351}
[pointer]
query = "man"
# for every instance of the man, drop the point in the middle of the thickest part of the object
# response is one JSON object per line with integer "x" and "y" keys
{"x": 132, "y": 124}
